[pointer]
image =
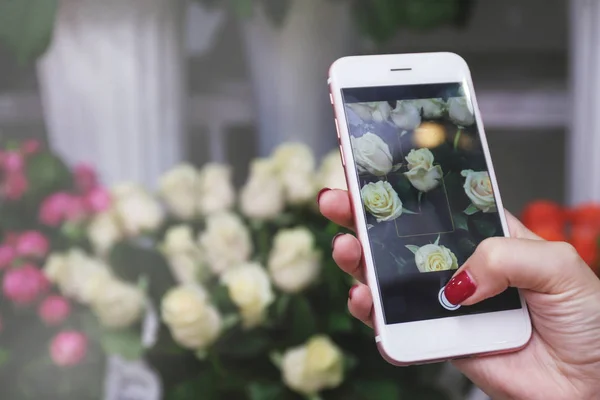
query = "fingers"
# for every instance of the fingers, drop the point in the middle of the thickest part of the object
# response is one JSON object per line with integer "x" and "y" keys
{"x": 360, "y": 303}
{"x": 335, "y": 205}
{"x": 517, "y": 229}
{"x": 499, "y": 263}
{"x": 347, "y": 254}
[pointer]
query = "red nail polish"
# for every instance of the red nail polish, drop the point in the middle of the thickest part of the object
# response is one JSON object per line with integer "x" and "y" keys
{"x": 321, "y": 193}
{"x": 351, "y": 292}
{"x": 460, "y": 288}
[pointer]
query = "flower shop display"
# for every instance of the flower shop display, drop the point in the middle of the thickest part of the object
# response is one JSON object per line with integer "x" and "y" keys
{"x": 222, "y": 292}
{"x": 578, "y": 225}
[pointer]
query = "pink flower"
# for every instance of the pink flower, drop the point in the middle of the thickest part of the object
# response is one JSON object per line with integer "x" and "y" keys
{"x": 76, "y": 211}
{"x": 54, "y": 310}
{"x": 15, "y": 185}
{"x": 54, "y": 209}
{"x": 68, "y": 348}
{"x": 32, "y": 244}
{"x": 24, "y": 285}
{"x": 97, "y": 200}
{"x": 85, "y": 178}
{"x": 12, "y": 161}
{"x": 7, "y": 255}
{"x": 30, "y": 147}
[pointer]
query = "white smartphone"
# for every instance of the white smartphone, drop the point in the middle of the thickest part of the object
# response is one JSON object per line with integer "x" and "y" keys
{"x": 424, "y": 196}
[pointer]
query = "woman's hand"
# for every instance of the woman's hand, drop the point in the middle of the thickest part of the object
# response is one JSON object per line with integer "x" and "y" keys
{"x": 562, "y": 360}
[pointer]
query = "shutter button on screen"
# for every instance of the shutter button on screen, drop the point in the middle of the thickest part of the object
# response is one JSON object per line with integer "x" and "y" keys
{"x": 445, "y": 303}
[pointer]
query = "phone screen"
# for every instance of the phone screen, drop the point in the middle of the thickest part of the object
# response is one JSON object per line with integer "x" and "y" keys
{"x": 426, "y": 193}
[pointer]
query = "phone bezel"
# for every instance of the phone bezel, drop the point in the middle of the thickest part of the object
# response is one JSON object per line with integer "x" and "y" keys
{"x": 437, "y": 339}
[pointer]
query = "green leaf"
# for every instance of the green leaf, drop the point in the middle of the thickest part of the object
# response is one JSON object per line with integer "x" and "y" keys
{"x": 26, "y": 26}
{"x": 282, "y": 304}
{"x": 404, "y": 210}
{"x": 4, "y": 356}
{"x": 127, "y": 344}
{"x": 204, "y": 386}
{"x": 485, "y": 228}
{"x": 276, "y": 359}
{"x": 437, "y": 240}
{"x": 243, "y": 8}
{"x": 412, "y": 248}
{"x": 460, "y": 221}
{"x": 304, "y": 324}
{"x": 265, "y": 391}
{"x": 277, "y": 11}
{"x": 244, "y": 344}
{"x": 471, "y": 210}
{"x": 380, "y": 390}
{"x": 47, "y": 173}
{"x": 339, "y": 323}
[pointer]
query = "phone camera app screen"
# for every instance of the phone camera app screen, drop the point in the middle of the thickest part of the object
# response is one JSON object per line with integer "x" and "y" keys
{"x": 426, "y": 193}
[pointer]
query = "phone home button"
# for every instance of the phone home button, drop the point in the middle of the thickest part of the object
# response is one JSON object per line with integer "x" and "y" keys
{"x": 445, "y": 303}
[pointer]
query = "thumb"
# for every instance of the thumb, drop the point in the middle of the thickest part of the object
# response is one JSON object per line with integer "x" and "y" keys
{"x": 499, "y": 263}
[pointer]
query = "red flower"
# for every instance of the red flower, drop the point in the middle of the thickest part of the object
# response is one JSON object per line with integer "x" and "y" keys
{"x": 24, "y": 285}
{"x": 68, "y": 348}
{"x": 85, "y": 178}
{"x": 97, "y": 200}
{"x": 15, "y": 185}
{"x": 12, "y": 161}
{"x": 54, "y": 310}
{"x": 585, "y": 240}
{"x": 543, "y": 212}
{"x": 30, "y": 147}
{"x": 586, "y": 214}
{"x": 551, "y": 232}
{"x": 7, "y": 255}
{"x": 32, "y": 244}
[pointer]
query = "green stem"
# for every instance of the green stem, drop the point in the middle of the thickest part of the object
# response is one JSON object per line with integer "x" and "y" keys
{"x": 264, "y": 244}
{"x": 457, "y": 138}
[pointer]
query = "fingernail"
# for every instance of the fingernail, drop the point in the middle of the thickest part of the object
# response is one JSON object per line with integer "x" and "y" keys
{"x": 460, "y": 288}
{"x": 351, "y": 292}
{"x": 337, "y": 235}
{"x": 321, "y": 193}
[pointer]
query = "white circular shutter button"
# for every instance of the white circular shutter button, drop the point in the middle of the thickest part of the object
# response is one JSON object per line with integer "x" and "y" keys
{"x": 445, "y": 303}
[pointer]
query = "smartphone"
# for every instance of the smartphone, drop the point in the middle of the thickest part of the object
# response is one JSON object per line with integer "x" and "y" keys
{"x": 424, "y": 195}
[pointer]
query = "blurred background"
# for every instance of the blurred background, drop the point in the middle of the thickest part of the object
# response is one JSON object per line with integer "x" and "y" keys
{"x": 135, "y": 87}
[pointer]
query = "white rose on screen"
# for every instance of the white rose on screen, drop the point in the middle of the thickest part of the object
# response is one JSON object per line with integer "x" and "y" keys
{"x": 460, "y": 111}
{"x": 381, "y": 201}
{"x": 378, "y": 111}
{"x": 295, "y": 165}
{"x": 422, "y": 174}
{"x": 117, "y": 304}
{"x": 193, "y": 322}
{"x": 331, "y": 174}
{"x": 434, "y": 258}
{"x": 406, "y": 115}
{"x": 178, "y": 189}
{"x": 104, "y": 232}
{"x": 318, "y": 365}
{"x": 294, "y": 261}
{"x": 215, "y": 190}
{"x": 226, "y": 242}
{"x": 262, "y": 196}
{"x": 76, "y": 274}
{"x": 478, "y": 187}
{"x": 371, "y": 154}
{"x": 136, "y": 209}
{"x": 431, "y": 108}
{"x": 250, "y": 290}
{"x": 183, "y": 254}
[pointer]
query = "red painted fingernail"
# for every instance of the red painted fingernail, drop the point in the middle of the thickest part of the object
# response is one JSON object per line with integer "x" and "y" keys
{"x": 337, "y": 235}
{"x": 321, "y": 193}
{"x": 460, "y": 288}
{"x": 351, "y": 292}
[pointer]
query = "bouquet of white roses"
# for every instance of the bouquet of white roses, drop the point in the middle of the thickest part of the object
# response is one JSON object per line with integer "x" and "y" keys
{"x": 225, "y": 293}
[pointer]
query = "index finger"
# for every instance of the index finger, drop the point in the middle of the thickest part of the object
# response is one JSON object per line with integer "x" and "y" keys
{"x": 335, "y": 205}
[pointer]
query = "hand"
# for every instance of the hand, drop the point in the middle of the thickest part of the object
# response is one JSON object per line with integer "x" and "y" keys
{"x": 562, "y": 360}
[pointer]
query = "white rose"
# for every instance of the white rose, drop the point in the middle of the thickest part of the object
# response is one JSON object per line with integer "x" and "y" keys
{"x": 178, "y": 189}
{"x": 331, "y": 174}
{"x": 250, "y": 289}
{"x": 215, "y": 190}
{"x": 193, "y": 322}
{"x": 183, "y": 254}
{"x": 314, "y": 367}
{"x": 294, "y": 262}
{"x": 381, "y": 200}
{"x": 422, "y": 174}
{"x": 226, "y": 242}
{"x": 371, "y": 154}
{"x": 431, "y": 108}
{"x": 375, "y": 111}
{"x": 104, "y": 231}
{"x": 406, "y": 115}
{"x": 76, "y": 274}
{"x": 137, "y": 210}
{"x": 478, "y": 187}
{"x": 262, "y": 197}
{"x": 460, "y": 111}
{"x": 295, "y": 164}
{"x": 117, "y": 304}
{"x": 434, "y": 258}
